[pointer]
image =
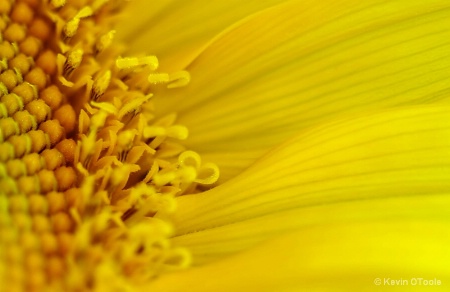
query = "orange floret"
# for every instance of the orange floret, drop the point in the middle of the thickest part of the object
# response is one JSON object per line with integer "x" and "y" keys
{"x": 21, "y": 63}
{"x": 39, "y": 109}
{"x": 66, "y": 177}
{"x": 47, "y": 61}
{"x": 56, "y": 201}
{"x": 37, "y": 77}
{"x": 66, "y": 117}
{"x": 40, "y": 28}
{"x": 52, "y": 97}
{"x": 53, "y": 129}
{"x": 15, "y": 32}
{"x": 26, "y": 91}
{"x": 67, "y": 148}
{"x": 30, "y": 46}
{"x": 22, "y": 13}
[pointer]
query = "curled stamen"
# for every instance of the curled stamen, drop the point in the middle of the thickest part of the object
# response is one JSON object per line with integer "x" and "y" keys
{"x": 133, "y": 62}
{"x": 176, "y": 131}
{"x": 157, "y": 78}
{"x": 206, "y": 174}
{"x": 179, "y": 79}
{"x": 173, "y": 80}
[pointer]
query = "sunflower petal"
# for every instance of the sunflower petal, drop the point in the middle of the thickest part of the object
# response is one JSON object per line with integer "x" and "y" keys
{"x": 399, "y": 152}
{"x": 334, "y": 257}
{"x": 212, "y": 244}
{"x": 177, "y": 31}
{"x": 303, "y": 62}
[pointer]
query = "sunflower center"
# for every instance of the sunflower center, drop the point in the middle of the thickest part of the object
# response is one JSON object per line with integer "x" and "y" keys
{"x": 85, "y": 164}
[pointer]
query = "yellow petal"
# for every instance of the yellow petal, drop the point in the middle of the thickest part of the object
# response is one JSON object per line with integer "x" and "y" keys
{"x": 303, "y": 62}
{"x": 216, "y": 243}
{"x": 335, "y": 257}
{"x": 177, "y": 31}
{"x": 398, "y": 152}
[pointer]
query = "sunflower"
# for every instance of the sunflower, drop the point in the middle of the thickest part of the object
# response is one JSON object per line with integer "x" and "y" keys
{"x": 219, "y": 145}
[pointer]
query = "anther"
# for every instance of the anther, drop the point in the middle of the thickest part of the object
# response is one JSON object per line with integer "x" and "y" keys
{"x": 124, "y": 143}
{"x": 58, "y": 3}
{"x": 71, "y": 27}
{"x": 105, "y": 41}
{"x": 73, "y": 61}
{"x": 100, "y": 85}
{"x": 105, "y": 107}
{"x": 133, "y": 106}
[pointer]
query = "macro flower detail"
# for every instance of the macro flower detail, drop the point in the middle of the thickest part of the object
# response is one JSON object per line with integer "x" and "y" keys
{"x": 328, "y": 121}
{"x": 85, "y": 164}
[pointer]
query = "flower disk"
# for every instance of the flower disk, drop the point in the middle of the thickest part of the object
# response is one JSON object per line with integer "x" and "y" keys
{"x": 85, "y": 164}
